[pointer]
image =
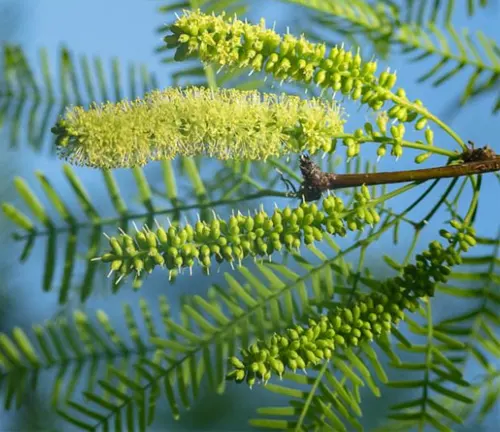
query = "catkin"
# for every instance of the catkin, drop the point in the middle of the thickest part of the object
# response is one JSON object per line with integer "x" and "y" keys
{"x": 369, "y": 316}
{"x": 222, "y": 123}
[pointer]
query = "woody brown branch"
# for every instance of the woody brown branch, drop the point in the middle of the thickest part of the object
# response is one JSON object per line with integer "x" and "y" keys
{"x": 474, "y": 161}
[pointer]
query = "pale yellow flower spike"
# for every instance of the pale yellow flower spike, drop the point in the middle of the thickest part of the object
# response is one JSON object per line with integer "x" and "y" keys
{"x": 222, "y": 123}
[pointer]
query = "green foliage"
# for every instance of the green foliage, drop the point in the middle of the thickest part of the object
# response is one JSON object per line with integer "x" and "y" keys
{"x": 416, "y": 31}
{"x": 67, "y": 346}
{"x": 180, "y": 355}
{"x": 317, "y": 306}
{"x": 430, "y": 10}
{"x": 32, "y": 97}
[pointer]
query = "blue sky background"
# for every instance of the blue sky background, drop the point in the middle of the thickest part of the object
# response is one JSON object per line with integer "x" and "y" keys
{"x": 125, "y": 29}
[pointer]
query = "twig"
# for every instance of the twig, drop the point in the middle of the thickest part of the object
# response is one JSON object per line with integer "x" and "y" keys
{"x": 474, "y": 161}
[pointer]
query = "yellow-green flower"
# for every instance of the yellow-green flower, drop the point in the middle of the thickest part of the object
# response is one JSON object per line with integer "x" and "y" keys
{"x": 222, "y": 123}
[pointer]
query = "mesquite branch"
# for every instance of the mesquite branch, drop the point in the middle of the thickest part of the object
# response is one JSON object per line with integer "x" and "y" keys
{"x": 474, "y": 161}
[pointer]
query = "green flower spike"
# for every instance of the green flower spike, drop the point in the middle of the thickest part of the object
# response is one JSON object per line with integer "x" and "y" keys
{"x": 368, "y": 317}
{"x": 232, "y": 241}
{"x": 223, "y": 123}
{"x": 234, "y": 43}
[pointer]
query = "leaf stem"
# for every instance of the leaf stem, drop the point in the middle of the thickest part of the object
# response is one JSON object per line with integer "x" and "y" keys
{"x": 408, "y": 144}
{"x": 264, "y": 193}
{"x": 310, "y": 396}
{"x": 423, "y": 111}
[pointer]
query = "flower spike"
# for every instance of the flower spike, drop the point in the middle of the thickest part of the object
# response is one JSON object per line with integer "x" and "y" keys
{"x": 222, "y": 123}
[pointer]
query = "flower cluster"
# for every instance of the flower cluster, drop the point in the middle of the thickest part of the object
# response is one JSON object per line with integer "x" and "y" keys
{"x": 464, "y": 236}
{"x": 223, "y": 123}
{"x": 241, "y": 236}
{"x": 233, "y": 43}
{"x": 369, "y": 316}
{"x": 387, "y": 133}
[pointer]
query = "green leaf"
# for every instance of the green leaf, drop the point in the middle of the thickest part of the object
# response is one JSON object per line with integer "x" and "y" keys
{"x": 18, "y": 217}
{"x": 32, "y": 201}
{"x": 271, "y": 424}
{"x": 450, "y": 393}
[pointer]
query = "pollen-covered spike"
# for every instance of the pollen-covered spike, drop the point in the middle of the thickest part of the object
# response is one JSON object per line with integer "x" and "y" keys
{"x": 119, "y": 279}
{"x": 135, "y": 226}
{"x": 110, "y": 273}
{"x": 107, "y": 236}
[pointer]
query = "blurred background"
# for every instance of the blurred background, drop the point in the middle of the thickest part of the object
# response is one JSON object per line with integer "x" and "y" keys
{"x": 126, "y": 30}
